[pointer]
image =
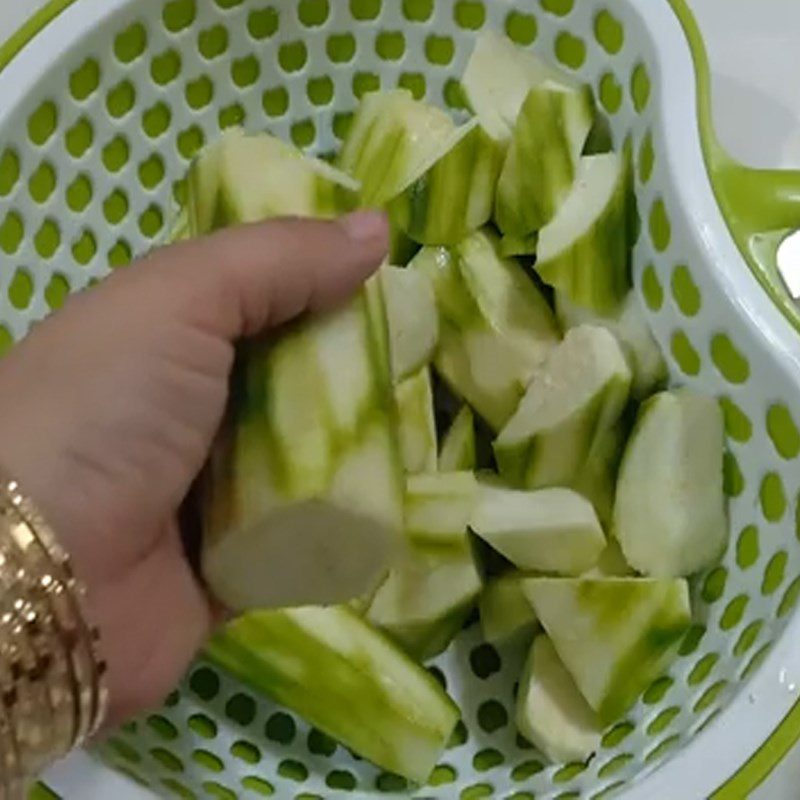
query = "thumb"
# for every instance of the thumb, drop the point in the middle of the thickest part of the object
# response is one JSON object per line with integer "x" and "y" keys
{"x": 239, "y": 281}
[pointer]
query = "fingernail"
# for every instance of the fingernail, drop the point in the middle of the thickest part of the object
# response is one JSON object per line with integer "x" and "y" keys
{"x": 363, "y": 226}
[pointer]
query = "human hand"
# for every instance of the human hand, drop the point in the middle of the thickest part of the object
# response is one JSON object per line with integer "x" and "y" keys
{"x": 109, "y": 407}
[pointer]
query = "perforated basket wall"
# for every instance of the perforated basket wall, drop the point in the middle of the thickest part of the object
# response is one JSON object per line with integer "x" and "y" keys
{"x": 89, "y": 164}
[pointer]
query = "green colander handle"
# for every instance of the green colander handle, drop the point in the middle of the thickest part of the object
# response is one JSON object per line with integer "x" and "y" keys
{"x": 762, "y": 209}
{"x": 761, "y": 206}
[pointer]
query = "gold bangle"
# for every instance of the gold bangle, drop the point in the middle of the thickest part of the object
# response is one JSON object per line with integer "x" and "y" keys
{"x": 53, "y": 654}
{"x": 10, "y": 755}
{"x": 52, "y": 679}
{"x": 63, "y": 621}
{"x": 94, "y": 695}
{"x": 28, "y": 708}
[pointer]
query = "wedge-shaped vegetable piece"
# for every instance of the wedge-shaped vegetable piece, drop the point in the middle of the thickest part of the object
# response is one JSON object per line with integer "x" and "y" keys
{"x": 401, "y": 248}
{"x": 551, "y": 712}
{"x": 597, "y": 480}
{"x": 304, "y": 492}
{"x": 629, "y": 325}
{"x": 204, "y": 179}
{"x": 614, "y": 635}
{"x": 438, "y": 181}
{"x": 458, "y": 450}
{"x": 346, "y": 679}
{"x": 670, "y": 516}
{"x": 179, "y": 228}
{"x": 511, "y": 246}
{"x": 495, "y": 326}
{"x": 424, "y": 602}
{"x": 583, "y": 252}
{"x": 505, "y": 610}
{"x": 360, "y": 604}
{"x": 425, "y": 640}
{"x": 612, "y": 563}
{"x": 413, "y": 319}
{"x": 498, "y": 78}
{"x": 550, "y": 530}
{"x": 392, "y": 141}
{"x": 541, "y": 166}
{"x": 243, "y": 178}
{"x": 563, "y": 424}
{"x": 439, "y": 508}
{"x": 417, "y": 423}
{"x": 453, "y": 196}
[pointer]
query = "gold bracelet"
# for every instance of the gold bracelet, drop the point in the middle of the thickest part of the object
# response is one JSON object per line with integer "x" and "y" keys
{"x": 52, "y": 653}
{"x": 53, "y": 696}
{"x": 63, "y": 621}
{"x": 27, "y": 708}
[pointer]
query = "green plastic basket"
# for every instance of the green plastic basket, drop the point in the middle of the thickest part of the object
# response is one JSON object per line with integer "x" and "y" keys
{"x": 100, "y": 117}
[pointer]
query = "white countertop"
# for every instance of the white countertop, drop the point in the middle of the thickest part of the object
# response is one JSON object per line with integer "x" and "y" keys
{"x": 758, "y": 116}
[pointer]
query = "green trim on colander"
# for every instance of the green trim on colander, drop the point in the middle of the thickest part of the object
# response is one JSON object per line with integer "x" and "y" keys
{"x": 42, "y": 792}
{"x": 760, "y": 206}
{"x": 764, "y": 761}
{"x": 30, "y": 29}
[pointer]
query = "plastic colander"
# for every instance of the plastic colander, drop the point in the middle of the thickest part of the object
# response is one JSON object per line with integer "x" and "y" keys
{"x": 100, "y": 116}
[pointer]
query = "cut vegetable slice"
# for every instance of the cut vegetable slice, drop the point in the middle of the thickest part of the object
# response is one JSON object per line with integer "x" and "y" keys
{"x": 505, "y": 610}
{"x": 180, "y": 227}
{"x": 347, "y": 680}
{"x": 439, "y": 508}
{"x": 670, "y": 516}
{"x": 423, "y": 603}
{"x": 495, "y": 325}
{"x": 413, "y": 319}
{"x": 584, "y": 252}
{"x": 563, "y": 424}
{"x": 401, "y": 248}
{"x": 612, "y": 563}
{"x": 499, "y": 77}
{"x": 453, "y": 196}
{"x": 424, "y": 641}
{"x": 393, "y": 140}
{"x": 436, "y": 180}
{"x": 540, "y": 169}
{"x": 629, "y": 325}
{"x": 551, "y": 712}
{"x": 203, "y": 183}
{"x": 304, "y": 490}
{"x": 417, "y": 423}
{"x": 512, "y": 246}
{"x": 458, "y": 447}
{"x": 614, "y": 635}
{"x": 552, "y": 530}
{"x": 597, "y": 480}
{"x": 245, "y": 178}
